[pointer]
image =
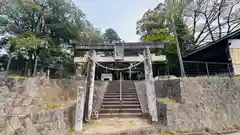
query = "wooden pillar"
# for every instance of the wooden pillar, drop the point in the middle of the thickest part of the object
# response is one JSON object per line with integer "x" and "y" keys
{"x": 150, "y": 87}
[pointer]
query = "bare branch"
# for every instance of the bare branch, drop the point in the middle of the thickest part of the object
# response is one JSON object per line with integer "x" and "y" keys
{"x": 229, "y": 16}
{"x": 238, "y": 24}
{"x": 219, "y": 14}
{"x": 217, "y": 28}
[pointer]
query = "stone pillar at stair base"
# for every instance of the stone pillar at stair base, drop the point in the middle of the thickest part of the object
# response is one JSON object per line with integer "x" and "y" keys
{"x": 81, "y": 92}
{"x": 150, "y": 87}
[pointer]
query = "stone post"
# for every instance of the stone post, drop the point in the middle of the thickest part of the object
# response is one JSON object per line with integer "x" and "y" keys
{"x": 81, "y": 95}
{"x": 150, "y": 87}
{"x": 79, "y": 71}
{"x": 81, "y": 91}
{"x": 91, "y": 84}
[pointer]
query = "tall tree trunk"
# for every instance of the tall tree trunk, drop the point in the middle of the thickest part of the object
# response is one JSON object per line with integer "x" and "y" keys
{"x": 30, "y": 64}
{"x": 48, "y": 73}
{"x": 26, "y": 70}
{"x": 8, "y": 65}
{"x": 61, "y": 70}
{"x": 35, "y": 64}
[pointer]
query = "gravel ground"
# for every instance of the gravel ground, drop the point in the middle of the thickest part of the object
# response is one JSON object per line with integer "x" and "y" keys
{"x": 112, "y": 125}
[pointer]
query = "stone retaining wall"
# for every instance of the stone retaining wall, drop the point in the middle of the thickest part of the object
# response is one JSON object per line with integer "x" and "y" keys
{"x": 168, "y": 88}
{"x": 206, "y": 103}
{"x": 37, "y": 106}
{"x": 45, "y": 105}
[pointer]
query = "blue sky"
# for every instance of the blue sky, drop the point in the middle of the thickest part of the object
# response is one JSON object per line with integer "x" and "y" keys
{"x": 120, "y": 15}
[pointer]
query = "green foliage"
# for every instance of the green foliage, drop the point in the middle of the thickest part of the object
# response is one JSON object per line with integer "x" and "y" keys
{"x": 15, "y": 77}
{"x": 111, "y": 36}
{"x": 29, "y": 43}
{"x": 157, "y": 24}
{"x": 167, "y": 100}
{"x": 52, "y": 107}
{"x": 46, "y": 28}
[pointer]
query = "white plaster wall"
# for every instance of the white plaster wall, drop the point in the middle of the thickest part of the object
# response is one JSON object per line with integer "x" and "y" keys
{"x": 235, "y": 43}
{"x": 234, "y": 50}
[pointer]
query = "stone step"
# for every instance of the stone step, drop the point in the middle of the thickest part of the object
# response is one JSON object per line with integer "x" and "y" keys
{"x": 121, "y": 110}
{"x": 110, "y": 115}
{"x": 123, "y": 92}
{"x": 118, "y": 102}
{"x": 118, "y": 95}
{"x": 109, "y": 106}
{"x": 131, "y": 88}
{"x": 123, "y": 99}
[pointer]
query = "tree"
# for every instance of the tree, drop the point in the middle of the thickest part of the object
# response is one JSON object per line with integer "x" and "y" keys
{"x": 91, "y": 35}
{"x": 111, "y": 36}
{"x": 28, "y": 45}
{"x": 212, "y": 19}
{"x": 156, "y": 24}
{"x": 165, "y": 22}
{"x": 57, "y": 22}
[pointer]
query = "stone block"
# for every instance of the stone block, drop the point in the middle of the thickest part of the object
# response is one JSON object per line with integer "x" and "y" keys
{"x": 19, "y": 89}
{"x": 39, "y": 127}
{"x": 2, "y": 122}
{"x": 7, "y": 131}
{"x": 8, "y": 101}
{"x": 20, "y": 112}
{"x": 8, "y": 110}
{"x": 43, "y": 117}
{"x": 30, "y": 128}
{"x": 28, "y": 101}
{"x": 4, "y": 90}
{"x": 18, "y": 101}
{"x": 52, "y": 132}
{"x": 49, "y": 126}
{"x": 14, "y": 127}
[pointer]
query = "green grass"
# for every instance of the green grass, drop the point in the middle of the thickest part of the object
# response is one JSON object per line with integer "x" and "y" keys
{"x": 15, "y": 76}
{"x": 167, "y": 100}
{"x": 52, "y": 107}
{"x": 167, "y": 132}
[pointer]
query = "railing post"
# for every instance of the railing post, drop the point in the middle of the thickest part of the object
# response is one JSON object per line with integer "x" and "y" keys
{"x": 229, "y": 70}
{"x": 197, "y": 69}
{"x": 207, "y": 69}
{"x": 120, "y": 87}
{"x": 168, "y": 71}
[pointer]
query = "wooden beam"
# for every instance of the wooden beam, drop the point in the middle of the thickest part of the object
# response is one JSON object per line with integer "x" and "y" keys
{"x": 139, "y": 58}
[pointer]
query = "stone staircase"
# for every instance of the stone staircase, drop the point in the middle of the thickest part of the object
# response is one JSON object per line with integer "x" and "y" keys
{"x": 113, "y": 107}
